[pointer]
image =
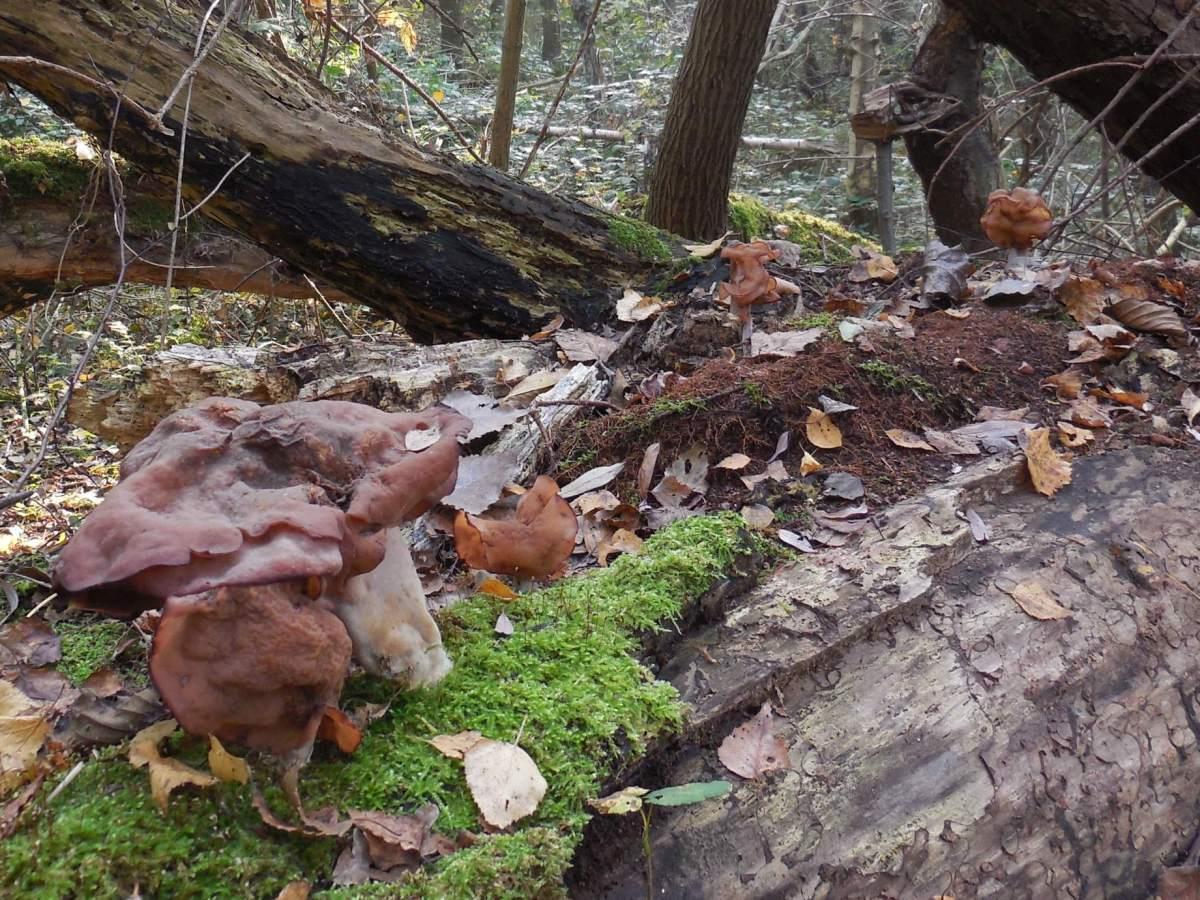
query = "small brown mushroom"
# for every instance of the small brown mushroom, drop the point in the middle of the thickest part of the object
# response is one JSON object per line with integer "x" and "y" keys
{"x": 297, "y": 501}
{"x": 749, "y": 282}
{"x": 534, "y": 543}
{"x": 1015, "y": 219}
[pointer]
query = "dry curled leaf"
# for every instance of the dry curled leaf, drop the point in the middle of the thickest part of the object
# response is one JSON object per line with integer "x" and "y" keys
{"x": 1084, "y": 298}
{"x": 24, "y": 727}
{"x": 1148, "y": 316}
{"x": 1049, "y": 471}
{"x": 591, "y": 480}
{"x": 809, "y": 464}
{"x": 734, "y": 462}
{"x": 1071, "y": 436}
{"x": 633, "y": 307}
{"x": 1037, "y": 602}
{"x": 821, "y": 430}
{"x": 758, "y": 517}
{"x": 584, "y": 346}
{"x": 455, "y": 746}
{"x": 908, "y": 440}
{"x": 624, "y": 801}
{"x": 621, "y": 541}
{"x": 338, "y": 728}
{"x": 504, "y": 782}
{"x": 548, "y": 329}
{"x": 1191, "y": 404}
{"x": 753, "y": 749}
{"x": 166, "y": 774}
{"x": 394, "y": 841}
{"x": 646, "y": 469}
{"x": 224, "y": 764}
{"x": 1066, "y": 385}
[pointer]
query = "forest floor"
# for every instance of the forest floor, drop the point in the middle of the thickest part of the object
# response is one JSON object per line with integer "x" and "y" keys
{"x": 886, "y": 396}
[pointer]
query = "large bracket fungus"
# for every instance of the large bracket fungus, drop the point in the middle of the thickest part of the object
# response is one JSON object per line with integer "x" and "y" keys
{"x": 270, "y": 536}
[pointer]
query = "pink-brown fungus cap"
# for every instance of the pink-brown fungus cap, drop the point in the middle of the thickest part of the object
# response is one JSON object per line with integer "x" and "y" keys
{"x": 255, "y": 666}
{"x": 1015, "y": 219}
{"x": 230, "y": 493}
{"x": 534, "y": 543}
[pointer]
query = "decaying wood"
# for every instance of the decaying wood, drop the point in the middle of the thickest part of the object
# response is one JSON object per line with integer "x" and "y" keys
{"x": 942, "y": 741}
{"x": 386, "y": 374}
{"x": 450, "y": 249}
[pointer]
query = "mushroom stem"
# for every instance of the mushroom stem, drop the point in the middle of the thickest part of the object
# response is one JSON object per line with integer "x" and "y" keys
{"x": 384, "y": 611}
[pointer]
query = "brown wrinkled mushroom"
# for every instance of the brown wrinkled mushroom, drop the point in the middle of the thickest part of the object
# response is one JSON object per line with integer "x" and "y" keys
{"x": 749, "y": 282}
{"x": 1015, "y": 219}
{"x": 252, "y": 665}
{"x": 306, "y": 498}
{"x": 534, "y": 543}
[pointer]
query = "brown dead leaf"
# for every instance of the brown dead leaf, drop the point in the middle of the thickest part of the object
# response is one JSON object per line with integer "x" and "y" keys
{"x": 28, "y": 642}
{"x": 1191, "y": 404}
{"x": 1100, "y": 342}
{"x": 591, "y": 480}
{"x": 395, "y": 840}
{"x": 821, "y": 430}
{"x": 1084, "y": 298}
{"x": 671, "y": 492}
{"x": 991, "y": 413}
{"x": 1071, "y": 436}
{"x": 1135, "y": 399}
{"x": 166, "y": 773}
{"x": 337, "y": 728}
{"x": 646, "y": 469}
{"x": 504, "y": 782}
{"x": 1148, "y": 316}
{"x": 758, "y": 517}
{"x": 537, "y": 383}
{"x": 548, "y": 329}
{"x": 1088, "y": 414}
{"x": 624, "y": 801}
{"x": 1037, "y": 602}
{"x": 809, "y": 464}
{"x": 455, "y": 746}
{"x": 951, "y": 444}
{"x": 622, "y": 541}
{"x": 584, "y": 346}
{"x": 908, "y": 440}
{"x": 734, "y": 462}
{"x": 1066, "y": 385}
{"x": 10, "y": 815}
{"x": 1179, "y": 883}
{"x": 872, "y": 266}
{"x": 691, "y": 468}
{"x": 1049, "y": 471}
{"x": 753, "y": 749}
{"x": 295, "y": 890}
{"x": 633, "y": 307}
{"x": 224, "y": 764}
{"x": 323, "y": 822}
{"x": 494, "y": 587}
{"x": 704, "y": 251}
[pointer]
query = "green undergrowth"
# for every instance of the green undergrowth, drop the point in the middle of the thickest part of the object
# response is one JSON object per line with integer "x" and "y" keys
{"x": 639, "y": 238}
{"x": 565, "y": 682}
{"x": 88, "y": 646}
{"x": 823, "y": 239}
{"x": 34, "y": 168}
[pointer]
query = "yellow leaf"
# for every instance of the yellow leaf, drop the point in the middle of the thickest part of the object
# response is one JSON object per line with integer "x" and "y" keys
{"x": 821, "y": 430}
{"x": 438, "y": 96}
{"x": 21, "y": 738}
{"x": 224, "y": 764}
{"x": 809, "y": 464}
{"x": 1036, "y": 601}
{"x": 626, "y": 800}
{"x": 706, "y": 250}
{"x": 456, "y": 746}
{"x": 408, "y": 36}
{"x": 165, "y": 774}
{"x": 494, "y": 587}
{"x": 1048, "y": 471}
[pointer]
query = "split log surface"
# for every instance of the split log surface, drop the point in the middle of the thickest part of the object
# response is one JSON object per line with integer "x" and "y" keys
{"x": 448, "y": 248}
{"x": 943, "y": 742}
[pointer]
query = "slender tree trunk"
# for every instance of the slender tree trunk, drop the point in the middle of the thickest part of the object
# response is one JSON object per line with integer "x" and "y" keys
{"x": 689, "y": 188}
{"x": 957, "y": 176}
{"x": 447, "y": 248}
{"x": 581, "y": 11}
{"x": 506, "y": 87}
{"x": 864, "y": 70}
{"x": 451, "y": 29}
{"x": 551, "y": 33}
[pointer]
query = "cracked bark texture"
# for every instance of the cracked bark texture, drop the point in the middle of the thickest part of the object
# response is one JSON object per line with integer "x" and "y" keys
{"x": 1053, "y": 37}
{"x": 448, "y": 248}
{"x": 942, "y": 741}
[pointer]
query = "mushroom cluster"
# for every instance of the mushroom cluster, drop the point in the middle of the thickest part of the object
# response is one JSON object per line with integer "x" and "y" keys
{"x": 1014, "y": 220}
{"x": 750, "y": 284}
{"x": 271, "y": 538}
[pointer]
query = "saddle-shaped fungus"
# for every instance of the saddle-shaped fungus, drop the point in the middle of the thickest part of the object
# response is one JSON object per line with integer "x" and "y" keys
{"x": 749, "y": 282}
{"x": 534, "y": 543}
{"x": 1014, "y": 220}
{"x": 256, "y": 528}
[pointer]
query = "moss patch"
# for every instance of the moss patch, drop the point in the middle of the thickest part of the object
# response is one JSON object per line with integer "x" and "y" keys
{"x": 88, "y": 646}
{"x": 35, "y": 168}
{"x": 826, "y": 240}
{"x": 565, "y": 680}
{"x": 644, "y": 241}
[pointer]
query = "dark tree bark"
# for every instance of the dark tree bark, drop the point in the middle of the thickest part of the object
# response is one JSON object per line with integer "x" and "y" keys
{"x": 581, "y": 11}
{"x": 689, "y": 188}
{"x": 506, "y": 84}
{"x": 949, "y": 64}
{"x": 1052, "y": 37}
{"x": 551, "y": 33}
{"x": 452, "y": 29}
{"x": 447, "y": 248}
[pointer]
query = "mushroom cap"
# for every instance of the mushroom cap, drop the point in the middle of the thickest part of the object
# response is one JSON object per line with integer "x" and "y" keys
{"x": 252, "y": 665}
{"x": 749, "y": 281}
{"x": 534, "y": 543}
{"x": 1016, "y": 218}
{"x": 232, "y": 493}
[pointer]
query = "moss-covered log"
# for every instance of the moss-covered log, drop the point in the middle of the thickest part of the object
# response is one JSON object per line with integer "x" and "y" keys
{"x": 57, "y": 233}
{"x": 445, "y": 247}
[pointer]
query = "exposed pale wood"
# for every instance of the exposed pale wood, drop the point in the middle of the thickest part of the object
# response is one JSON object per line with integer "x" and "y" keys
{"x": 943, "y": 742}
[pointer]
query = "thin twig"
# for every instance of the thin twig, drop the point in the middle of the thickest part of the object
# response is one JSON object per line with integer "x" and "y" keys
{"x": 201, "y": 53}
{"x": 27, "y": 62}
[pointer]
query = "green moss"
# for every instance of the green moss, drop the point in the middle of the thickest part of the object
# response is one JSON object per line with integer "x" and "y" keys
{"x": 88, "y": 646}
{"x": 887, "y": 377}
{"x": 823, "y": 239}
{"x": 565, "y": 680}
{"x": 35, "y": 168}
{"x": 146, "y": 215}
{"x": 826, "y": 320}
{"x": 638, "y": 238}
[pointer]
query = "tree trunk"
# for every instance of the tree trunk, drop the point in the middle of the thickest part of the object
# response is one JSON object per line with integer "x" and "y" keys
{"x": 957, "y": 179}
{"x": 506, "y": 85}
{"x": 551, "y": 32}
{"x": 864, "y": 70}
{"x": 1053, "y": 36}
{"x": 581, "y": 11}
{"x": 940, "y": 741}
{"x": 449, "y": 249}
{"x": 452, "y": 25}
{"x": 689, "y": 188}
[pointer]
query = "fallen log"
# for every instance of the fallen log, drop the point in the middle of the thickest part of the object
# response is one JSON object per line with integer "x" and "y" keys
{"x": 942, "y": 741}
